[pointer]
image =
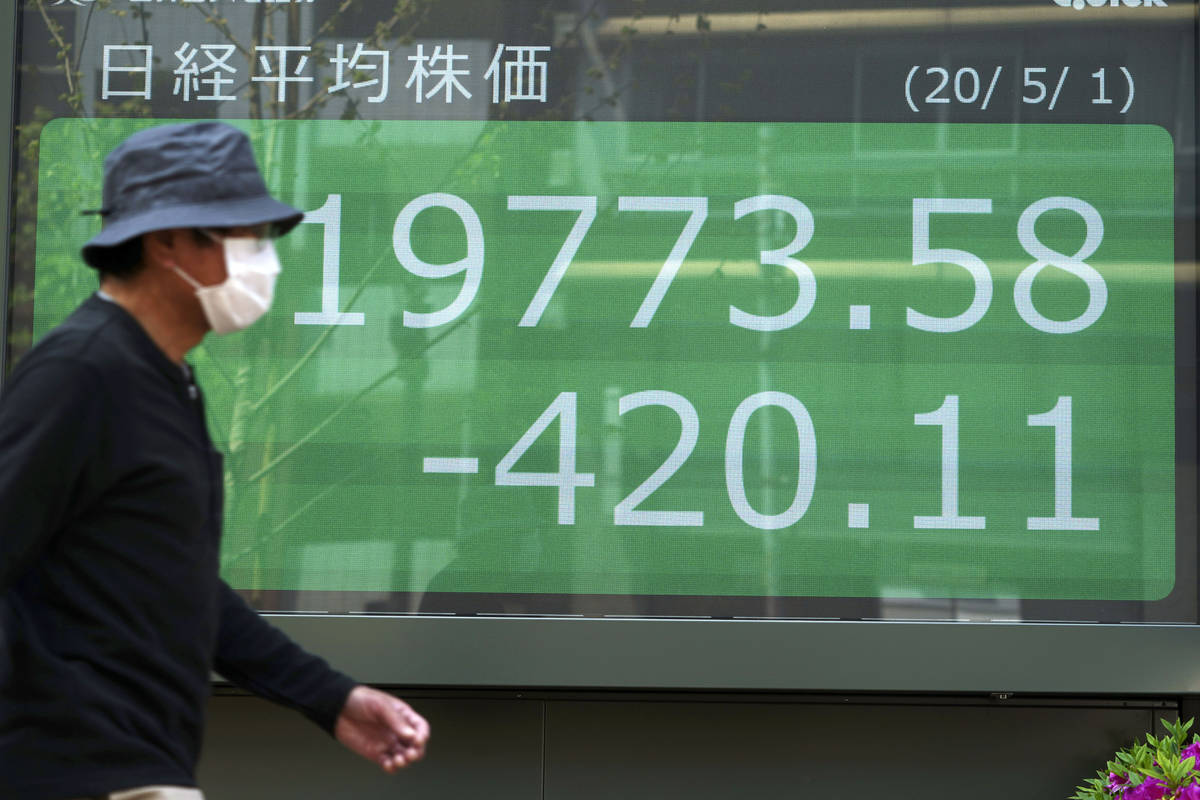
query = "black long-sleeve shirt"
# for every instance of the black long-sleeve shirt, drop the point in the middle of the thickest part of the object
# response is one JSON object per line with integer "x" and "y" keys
{"x": 112, "y": 613}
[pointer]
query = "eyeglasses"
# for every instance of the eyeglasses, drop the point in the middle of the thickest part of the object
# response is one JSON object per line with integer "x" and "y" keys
{"x": 262, "y": 234}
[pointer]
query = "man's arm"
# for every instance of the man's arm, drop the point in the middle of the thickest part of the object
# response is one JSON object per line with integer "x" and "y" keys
{"x": 257, "y": 656}
{"x": 50, "y": 416}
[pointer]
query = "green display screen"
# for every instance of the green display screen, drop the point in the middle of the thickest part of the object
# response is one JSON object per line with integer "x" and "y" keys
{"x": 712, "y": 359}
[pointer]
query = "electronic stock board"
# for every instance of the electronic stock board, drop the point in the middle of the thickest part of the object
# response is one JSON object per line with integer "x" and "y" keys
{"x": 835, "y": 314}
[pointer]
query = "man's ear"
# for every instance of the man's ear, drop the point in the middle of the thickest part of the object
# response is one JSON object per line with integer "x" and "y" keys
{"x": 158, "y": 247}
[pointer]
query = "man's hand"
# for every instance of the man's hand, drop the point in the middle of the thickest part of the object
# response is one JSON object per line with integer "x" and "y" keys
{"x": 382, "y": 728}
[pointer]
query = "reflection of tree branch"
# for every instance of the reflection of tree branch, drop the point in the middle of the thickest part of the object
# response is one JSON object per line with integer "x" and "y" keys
{"x": 87, "y": 23}
{"x": 263, "y": 538}
{"x": 607, "y": 101}
{"x": 142, "y": 16}
{"x": 64, "y": 51}
{"x": 382, "y": 379}
{"x": 456, "y": 169}
{"x": 261, "y": 30}
{"x": 256, "y": 32}
{"x": 448, "y": 179}
{"x": 382, "y": 31}
{"x": 584, "y": 17}
{"x": 319, "y": 98}
{"x": 268, "y": 26}
{"x": 222, "y": 25}
{"x": 325, "y": 334}
{"x": 264, "y": 31}
{"x": 575, "y": 37}
{"x": 333, "y": 18}
{"x": 400, "y": 12}
{"x": 557, "y": 111}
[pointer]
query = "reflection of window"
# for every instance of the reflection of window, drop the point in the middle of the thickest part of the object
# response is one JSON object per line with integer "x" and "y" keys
{"x": 960, "y": 610}
{"x": 351, "y": 569}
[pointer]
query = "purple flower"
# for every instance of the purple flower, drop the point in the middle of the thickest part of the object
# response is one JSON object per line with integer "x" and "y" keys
{"x": 1192, "y": 751}
{"x": 1191, "y": 792}
{"x": 1117, "y": 783}
{"x": 1152, "y": 789}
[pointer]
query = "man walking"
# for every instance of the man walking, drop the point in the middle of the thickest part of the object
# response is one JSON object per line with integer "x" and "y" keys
{"x": 112, "y": 612}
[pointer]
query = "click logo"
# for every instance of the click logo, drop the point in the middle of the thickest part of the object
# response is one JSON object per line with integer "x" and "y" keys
{"x": 1080, "y": 4}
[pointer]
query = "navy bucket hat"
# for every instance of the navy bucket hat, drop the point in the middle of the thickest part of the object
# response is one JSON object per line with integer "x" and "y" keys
{"x": 192, "y": 175}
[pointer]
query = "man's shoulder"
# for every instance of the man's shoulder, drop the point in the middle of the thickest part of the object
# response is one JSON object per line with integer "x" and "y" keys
{"x": 93, "y": 339}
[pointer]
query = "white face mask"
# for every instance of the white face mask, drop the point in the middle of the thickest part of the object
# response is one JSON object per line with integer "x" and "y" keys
{"x": 251, "y": 265}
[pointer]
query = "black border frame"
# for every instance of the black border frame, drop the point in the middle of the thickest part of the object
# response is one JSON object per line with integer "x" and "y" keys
{"x": 8, "y": 113}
